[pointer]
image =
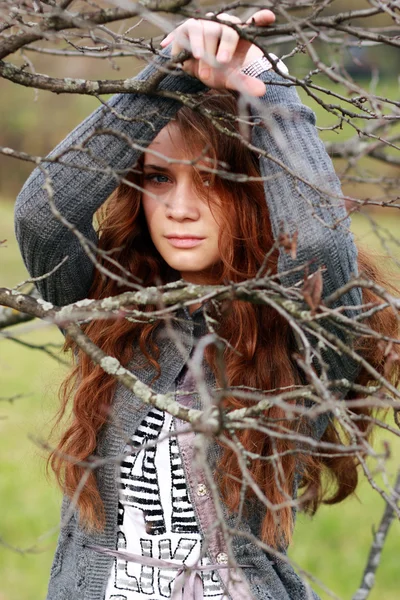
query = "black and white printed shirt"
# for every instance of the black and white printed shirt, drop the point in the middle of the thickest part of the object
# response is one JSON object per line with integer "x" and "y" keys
{"x": 156, "y": 517}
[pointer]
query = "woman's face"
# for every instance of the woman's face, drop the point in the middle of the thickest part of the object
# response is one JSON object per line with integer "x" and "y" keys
{"x": 181, "y": 224}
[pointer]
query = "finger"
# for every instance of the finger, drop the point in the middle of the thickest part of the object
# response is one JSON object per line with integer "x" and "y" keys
{"x": 261, "y": 18}
{"x": 204, "y": 72}
{"x": 229, "y": 38}
{"x": 194, "y": 32}
{"x": 167, "y": 40}
{"x": 228, "y": 17}
{"x": 178, "y": 44}
{"x": 188, "y": 36}
{"x": 212, "y": 34}
{"x": 180, "y": 41}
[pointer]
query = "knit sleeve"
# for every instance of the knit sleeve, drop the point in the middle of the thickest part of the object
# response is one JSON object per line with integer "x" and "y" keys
{"x": 304, "y": 195}
{"x": 91, "y": 160}
{"x": 301, "y": 188}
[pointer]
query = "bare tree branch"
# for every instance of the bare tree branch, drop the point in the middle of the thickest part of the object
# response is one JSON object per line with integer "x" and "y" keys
{"x": 374, "y": 557}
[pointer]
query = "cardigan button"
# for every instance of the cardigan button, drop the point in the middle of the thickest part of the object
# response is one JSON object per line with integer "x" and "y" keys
{"x": 222, "y": 558}
{"x": 202, "y": 490}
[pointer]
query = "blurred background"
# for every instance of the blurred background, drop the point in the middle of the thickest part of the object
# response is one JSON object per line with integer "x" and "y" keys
{"x": 333, "y": 546}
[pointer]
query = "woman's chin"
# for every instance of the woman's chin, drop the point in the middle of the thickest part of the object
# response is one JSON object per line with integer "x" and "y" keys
{"x": 190, "y": 271}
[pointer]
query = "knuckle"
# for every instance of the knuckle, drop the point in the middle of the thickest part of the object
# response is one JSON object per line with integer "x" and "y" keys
{"x": 192, "y": 24}
{"x": 231, "y": 34}
{"x": 215, "y": 28}
{"x": 228, "y": 17}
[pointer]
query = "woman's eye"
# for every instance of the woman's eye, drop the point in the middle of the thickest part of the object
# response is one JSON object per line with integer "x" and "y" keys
{"x": 156, "y": 178}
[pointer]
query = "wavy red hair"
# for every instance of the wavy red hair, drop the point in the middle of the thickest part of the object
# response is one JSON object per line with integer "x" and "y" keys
{"x": 259, "y": 355}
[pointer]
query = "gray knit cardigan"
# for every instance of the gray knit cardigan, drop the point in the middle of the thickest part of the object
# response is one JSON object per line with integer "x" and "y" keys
{"x": 81, "y": 184}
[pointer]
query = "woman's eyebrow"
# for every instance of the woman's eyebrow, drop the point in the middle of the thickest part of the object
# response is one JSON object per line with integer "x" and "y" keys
{"x": 156, "y": 167}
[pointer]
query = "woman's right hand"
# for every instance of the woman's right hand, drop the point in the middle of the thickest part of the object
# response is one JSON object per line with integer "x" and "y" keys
{"x": 219, "y": 54}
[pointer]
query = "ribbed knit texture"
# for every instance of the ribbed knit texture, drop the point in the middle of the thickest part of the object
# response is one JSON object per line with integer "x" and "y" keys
{"x": 81, "y": 185}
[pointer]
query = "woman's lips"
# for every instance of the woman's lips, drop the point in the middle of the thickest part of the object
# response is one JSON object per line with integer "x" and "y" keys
{"x": 184, "y": 242}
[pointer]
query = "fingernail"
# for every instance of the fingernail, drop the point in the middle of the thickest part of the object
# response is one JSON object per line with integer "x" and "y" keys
{"x": 205, "y": 73}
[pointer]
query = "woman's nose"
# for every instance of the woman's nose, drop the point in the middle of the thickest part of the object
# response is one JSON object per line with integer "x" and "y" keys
{"x": 183, "y": 202}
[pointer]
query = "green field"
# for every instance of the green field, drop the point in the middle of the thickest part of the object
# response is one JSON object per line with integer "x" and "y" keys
{"x": 332, "y": 546}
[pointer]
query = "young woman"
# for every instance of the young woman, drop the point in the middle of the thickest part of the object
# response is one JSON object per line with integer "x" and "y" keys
{"x": 180, "y": 210}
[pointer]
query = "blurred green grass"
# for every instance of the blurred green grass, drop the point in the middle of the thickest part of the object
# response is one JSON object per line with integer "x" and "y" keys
{"x": 332, "y": 546}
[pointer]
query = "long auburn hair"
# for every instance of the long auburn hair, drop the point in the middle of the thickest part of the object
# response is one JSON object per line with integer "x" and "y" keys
{"x": 259, "y": 354}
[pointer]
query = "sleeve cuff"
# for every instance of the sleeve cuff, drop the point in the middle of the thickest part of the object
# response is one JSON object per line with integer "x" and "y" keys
{"x": 263, "y": 64}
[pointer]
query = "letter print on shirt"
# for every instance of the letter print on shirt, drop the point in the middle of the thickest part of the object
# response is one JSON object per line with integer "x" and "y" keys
{"x": 156, "y": 518}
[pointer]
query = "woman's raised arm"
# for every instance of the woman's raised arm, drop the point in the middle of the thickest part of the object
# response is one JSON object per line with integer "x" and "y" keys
{"x": 302, "y": 189}
{"x": 304, "y": 195}
{"x": 91, "y": 159}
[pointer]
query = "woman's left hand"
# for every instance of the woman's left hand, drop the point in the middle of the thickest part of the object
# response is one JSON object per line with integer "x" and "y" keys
{"x": 218, "y": 52}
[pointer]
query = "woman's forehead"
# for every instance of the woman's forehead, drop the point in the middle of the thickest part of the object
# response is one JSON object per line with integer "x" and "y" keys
{"x": 170, "y": 147}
